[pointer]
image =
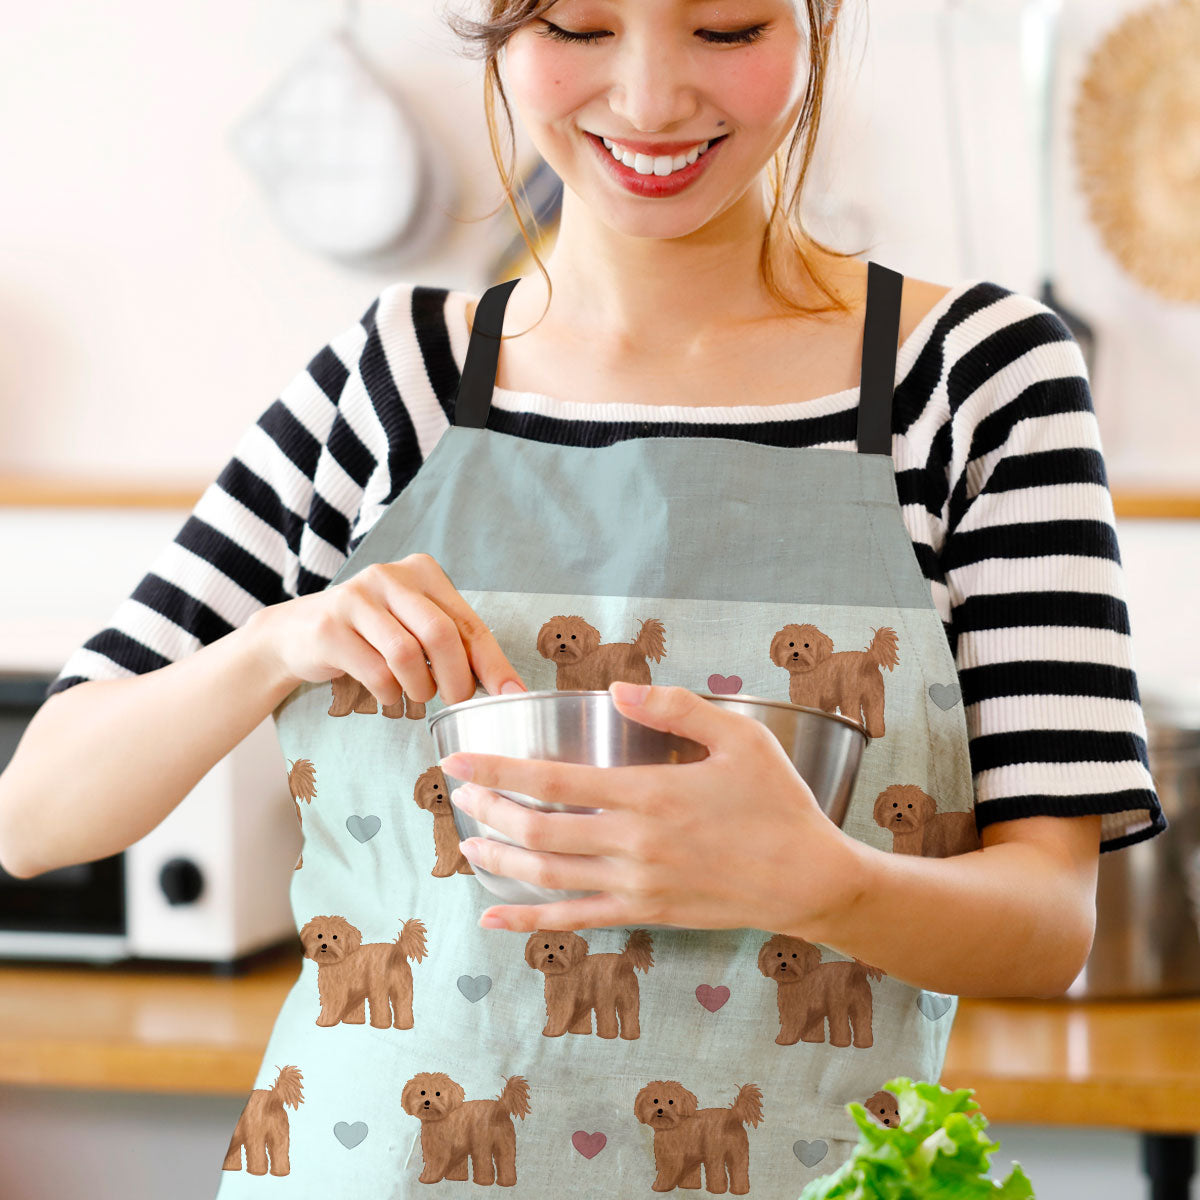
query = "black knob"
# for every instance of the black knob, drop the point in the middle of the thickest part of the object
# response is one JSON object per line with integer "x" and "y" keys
{"x": 181, "y": 880}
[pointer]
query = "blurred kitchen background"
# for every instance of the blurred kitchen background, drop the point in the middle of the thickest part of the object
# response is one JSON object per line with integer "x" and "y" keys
{"x": 187, "y": 219}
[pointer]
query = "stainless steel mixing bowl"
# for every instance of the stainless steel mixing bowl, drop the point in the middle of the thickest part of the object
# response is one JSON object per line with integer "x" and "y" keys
{"x": 579, "y": 726}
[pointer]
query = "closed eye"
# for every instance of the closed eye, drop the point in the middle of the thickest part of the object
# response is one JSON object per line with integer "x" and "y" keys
{"x": 737, "y": 37}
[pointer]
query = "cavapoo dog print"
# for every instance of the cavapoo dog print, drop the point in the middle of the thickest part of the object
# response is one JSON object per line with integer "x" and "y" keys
{"x": 351, "y": 976}
{"x": 688, "y": 1138}
{"x": 351, "y": 696}
{"x": 884, "y": 1107}
{"x": 918, "y": 828}
{"x": 579, "y": 983}
{"x": 454, "y": 1128}
{"x": 812, "y": 992}
{"x": 583, "y": 662}
{"x": 432, "y": 794}
{"x": 302, "y": 783}
{"x": 263, "y": 1126}
{"x": 845, "y": 681}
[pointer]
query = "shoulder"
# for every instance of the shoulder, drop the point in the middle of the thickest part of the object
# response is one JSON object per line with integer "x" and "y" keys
{"x": 978, "y": 309}
{"x": 406, "y": 304}
{"x": 918, "y": 299}
{"x": 419, "y": 331}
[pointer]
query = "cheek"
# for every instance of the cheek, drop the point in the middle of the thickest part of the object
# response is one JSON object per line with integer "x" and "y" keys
{"x": 545, "y": 81}
{"x": 763, "y": 89}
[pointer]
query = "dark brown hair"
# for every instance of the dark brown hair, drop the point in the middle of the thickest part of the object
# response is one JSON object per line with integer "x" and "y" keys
{"x": 485, "y": 39}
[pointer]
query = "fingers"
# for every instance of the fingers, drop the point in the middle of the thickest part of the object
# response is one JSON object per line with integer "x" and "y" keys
{"x": 600, "y": 910}
{"x": 578, "y": 784}
{"x": 557, "y": 832}
{"x": 358, "y": 657}
{"x": 581, "y": 871}
{"x": 487, "y": 659}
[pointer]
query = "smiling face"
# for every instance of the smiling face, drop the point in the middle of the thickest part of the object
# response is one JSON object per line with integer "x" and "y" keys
{"x": 672, "y": 73}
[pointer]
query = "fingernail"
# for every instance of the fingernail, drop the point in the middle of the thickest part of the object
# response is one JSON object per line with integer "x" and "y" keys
{"x": 460, "y": 768}
{"x": 630, "y": 693}
{"x": 510, "y": 685}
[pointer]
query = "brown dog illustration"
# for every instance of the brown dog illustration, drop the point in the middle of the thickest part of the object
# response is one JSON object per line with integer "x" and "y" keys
{"x": 917, "y": 826}
{"x": 811, "y": 991}
{"x": 453, "y": 1128}
{"x": 578, "y": 983}
{"x": 583, "y": 662}
{"x": 302, "y": 783}
{"x": 687, "y": 1137}
{"x": 432, "y": 794}
{"x": 884, "y": 1107}
{"x": 850, "y": 681}
{"x": 351, "y": 975}
{"x": 349, "y": 695}
{"x": 263, "y": 1126}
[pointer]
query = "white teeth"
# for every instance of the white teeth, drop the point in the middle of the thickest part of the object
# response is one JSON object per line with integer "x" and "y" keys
{"x": 646, "y": 164}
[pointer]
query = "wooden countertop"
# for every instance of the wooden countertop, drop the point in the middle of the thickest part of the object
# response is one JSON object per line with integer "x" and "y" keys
{"x": 179, "y": 1028}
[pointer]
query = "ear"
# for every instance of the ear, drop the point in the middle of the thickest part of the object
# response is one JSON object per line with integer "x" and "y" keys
{"x": 350, "y": 934}
{"x": 764, "y": 955}
{"x": 530, "y": 946}
{"x": 589, "y": 635}
{"x": 777, "y": 655}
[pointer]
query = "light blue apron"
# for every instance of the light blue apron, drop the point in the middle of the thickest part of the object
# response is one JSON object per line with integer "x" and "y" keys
{"x": 420, "y": 1055}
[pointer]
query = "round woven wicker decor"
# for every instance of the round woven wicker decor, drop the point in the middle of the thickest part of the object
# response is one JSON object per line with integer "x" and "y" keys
{"x": 1137, "y": 145}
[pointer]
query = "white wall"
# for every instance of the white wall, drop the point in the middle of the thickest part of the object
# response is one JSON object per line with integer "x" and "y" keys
{"x": 151, "y": 307}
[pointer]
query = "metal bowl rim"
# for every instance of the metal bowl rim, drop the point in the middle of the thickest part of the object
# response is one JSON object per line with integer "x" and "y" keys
{"x": 477, "y": 701}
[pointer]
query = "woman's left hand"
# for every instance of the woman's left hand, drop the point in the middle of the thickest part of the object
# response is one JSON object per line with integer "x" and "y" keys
{"x": 737, "y": 839}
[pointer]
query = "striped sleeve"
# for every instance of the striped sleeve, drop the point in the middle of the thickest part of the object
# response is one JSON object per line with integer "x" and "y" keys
{"x": 304, "y": 482}
{"x": 1037, "y": 594}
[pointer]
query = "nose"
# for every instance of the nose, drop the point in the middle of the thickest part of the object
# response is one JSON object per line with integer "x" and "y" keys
{"x": 653, "y": 87}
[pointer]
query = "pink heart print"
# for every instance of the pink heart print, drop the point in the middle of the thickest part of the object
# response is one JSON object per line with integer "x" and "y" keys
{"x": 724, "y": 685}
{"x": 588, "y": 1144}
{"x": 712, "y": 997}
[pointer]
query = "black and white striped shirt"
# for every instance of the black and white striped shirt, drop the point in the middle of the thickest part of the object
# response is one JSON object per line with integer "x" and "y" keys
{"x": 999, "y": 471}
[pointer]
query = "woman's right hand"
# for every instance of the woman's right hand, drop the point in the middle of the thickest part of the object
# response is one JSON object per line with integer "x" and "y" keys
{"x": 387, "y": 626}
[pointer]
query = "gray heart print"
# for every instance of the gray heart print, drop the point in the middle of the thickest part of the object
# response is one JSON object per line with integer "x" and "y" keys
{"x": 810, "y": 1153}
{"x": 945, "y": 695}
{"x": 350, "y": 1135}
{"x": 363, "y": 828}
{"x": 474, "y": 989}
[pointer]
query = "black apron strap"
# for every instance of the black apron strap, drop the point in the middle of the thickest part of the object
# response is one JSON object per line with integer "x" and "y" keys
{"x": 473, "y": 398}
{"x": 881, "y": 332}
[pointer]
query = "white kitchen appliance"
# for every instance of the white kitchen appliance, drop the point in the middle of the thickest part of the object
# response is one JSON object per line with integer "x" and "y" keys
{"x": 209, "y": 884}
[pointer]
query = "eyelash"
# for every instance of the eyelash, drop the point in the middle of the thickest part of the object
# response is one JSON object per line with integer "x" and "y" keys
{"x": 740, "y": 37}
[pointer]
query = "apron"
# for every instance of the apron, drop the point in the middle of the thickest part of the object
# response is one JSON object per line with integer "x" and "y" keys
{"x": 420, "y": 1055}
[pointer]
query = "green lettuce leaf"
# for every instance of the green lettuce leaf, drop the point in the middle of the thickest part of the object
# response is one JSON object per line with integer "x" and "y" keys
{"x": 937, "y": 1151}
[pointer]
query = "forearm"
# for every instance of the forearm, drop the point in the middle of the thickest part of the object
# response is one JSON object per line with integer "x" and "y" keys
{"x": 103, "y": 763}
{"x": 1004, "y": 920}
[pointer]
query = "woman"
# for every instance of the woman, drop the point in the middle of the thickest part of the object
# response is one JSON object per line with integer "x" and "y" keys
{"x": 692, "y": 491}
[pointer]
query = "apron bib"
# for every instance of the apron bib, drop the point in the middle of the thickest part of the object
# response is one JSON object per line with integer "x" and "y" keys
{"x": 419, "y": 1055}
